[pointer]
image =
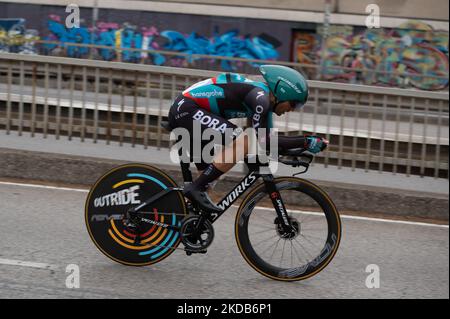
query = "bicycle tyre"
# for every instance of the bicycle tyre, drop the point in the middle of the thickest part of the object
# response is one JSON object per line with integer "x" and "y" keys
{"x": 297, "y": 273}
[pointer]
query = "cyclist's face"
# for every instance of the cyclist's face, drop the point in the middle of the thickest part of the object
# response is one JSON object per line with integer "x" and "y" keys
{"x": 282, "y": 108}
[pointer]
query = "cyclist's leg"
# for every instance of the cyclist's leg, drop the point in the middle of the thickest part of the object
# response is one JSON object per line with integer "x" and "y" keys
{"x": 186, "y": 114}
{"x": 212, "y": 168}
{"x": 231, "y": 152}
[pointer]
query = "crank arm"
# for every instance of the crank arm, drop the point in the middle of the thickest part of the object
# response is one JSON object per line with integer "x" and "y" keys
{"x": 159, "y": 213}
{"x": 152, "y": 199}
{"x": 159, "y": 224}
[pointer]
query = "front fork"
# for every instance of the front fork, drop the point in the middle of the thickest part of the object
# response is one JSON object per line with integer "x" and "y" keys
{"x": 277, "y": 202}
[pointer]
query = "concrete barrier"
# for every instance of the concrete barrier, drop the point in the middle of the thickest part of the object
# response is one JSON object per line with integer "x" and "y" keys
{"x": 78, "y": 170}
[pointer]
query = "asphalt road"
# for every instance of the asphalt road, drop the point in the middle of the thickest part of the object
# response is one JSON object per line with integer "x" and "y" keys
{"x": 47, "y": 226}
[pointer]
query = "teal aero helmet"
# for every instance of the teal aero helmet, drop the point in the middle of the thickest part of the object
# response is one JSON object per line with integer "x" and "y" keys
{"x": 286, "y": 84}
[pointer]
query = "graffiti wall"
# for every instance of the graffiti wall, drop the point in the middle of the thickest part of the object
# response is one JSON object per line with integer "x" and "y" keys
{"x": 188, "y": 34}
{"x": 125, "y": 36}
{"x": 16, "y": 38}
{"x": 391, "y": 57}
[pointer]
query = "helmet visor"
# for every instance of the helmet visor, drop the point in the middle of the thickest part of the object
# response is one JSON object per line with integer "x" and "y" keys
{"x": 296, "y": 105}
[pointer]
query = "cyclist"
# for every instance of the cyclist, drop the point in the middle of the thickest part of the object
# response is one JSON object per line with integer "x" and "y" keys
{"x": 212, "y": 102}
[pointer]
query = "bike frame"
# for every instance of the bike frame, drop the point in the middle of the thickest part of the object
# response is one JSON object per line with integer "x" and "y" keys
{"x": 250, "y": 179}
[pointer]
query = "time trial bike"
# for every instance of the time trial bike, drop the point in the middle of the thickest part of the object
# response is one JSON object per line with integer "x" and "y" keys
{"x": 286, "y": 228}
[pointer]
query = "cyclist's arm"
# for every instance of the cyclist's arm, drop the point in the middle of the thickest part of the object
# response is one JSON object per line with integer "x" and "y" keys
{"x": 290, "y": 142}
{"x": 259, "y": 103}
{"x": 314, "y": 144}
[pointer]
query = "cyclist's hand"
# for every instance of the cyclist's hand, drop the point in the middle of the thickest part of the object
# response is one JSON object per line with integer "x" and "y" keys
{"x": 316, "y": 144}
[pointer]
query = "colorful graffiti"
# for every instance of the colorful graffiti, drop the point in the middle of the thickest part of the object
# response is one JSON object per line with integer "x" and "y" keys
{"x": 16, "y": 38}
{"x": 126, "y": 36}
{"x": 411, "y": 55}
{"x": 106, "y": 34}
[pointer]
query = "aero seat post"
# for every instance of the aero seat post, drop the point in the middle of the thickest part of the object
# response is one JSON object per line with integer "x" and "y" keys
{"x": 185, "y": 167}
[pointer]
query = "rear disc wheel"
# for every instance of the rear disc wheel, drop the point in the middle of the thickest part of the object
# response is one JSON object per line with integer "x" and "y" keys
{"x": 107, "y": 205}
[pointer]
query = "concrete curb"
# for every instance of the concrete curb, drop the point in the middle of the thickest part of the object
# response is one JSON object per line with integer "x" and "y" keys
{"x": 68, "y": 169}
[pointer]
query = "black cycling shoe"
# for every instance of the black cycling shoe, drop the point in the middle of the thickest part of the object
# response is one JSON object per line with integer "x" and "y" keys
{"x": 201, "y": 199}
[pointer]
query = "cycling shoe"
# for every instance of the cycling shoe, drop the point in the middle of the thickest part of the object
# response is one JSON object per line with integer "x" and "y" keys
{"x": 201, "y": 199}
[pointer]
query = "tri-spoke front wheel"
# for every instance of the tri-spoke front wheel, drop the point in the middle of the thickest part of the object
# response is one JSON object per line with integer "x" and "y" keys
{"x": 307, "y": 249}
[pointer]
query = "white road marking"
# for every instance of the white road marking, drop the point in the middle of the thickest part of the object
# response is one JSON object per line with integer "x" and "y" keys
{"x": 404, "y": 222}
{"x": 46, "y": 187}
{"x": 12, "y": 262}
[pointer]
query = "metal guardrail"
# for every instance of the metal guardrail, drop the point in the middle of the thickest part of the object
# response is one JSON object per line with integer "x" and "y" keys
{"x": 374, "y": 75}
{"x": 384, "y": 129}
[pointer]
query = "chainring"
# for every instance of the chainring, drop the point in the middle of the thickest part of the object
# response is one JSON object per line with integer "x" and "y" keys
{"x": 202, "y": 240}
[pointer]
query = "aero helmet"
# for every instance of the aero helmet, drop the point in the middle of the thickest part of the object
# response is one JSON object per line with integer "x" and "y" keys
{"x": 286, "y": 84}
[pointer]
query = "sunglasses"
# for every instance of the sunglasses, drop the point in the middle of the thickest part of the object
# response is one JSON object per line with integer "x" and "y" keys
{"x": 296, "y": 105}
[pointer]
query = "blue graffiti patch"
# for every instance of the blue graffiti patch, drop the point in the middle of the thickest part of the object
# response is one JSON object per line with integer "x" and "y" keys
{"x": 229, "y": 44}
